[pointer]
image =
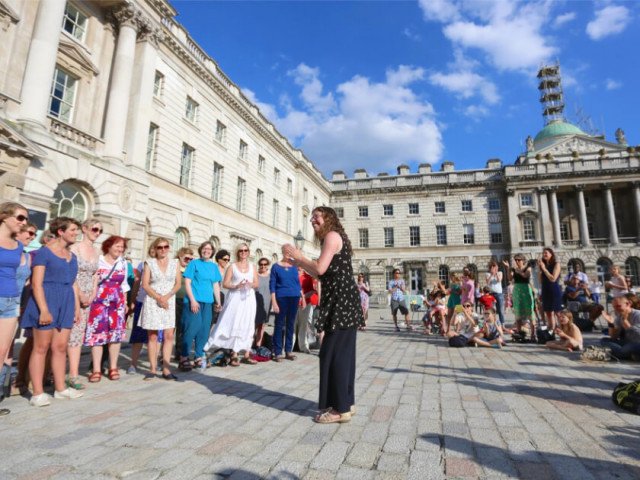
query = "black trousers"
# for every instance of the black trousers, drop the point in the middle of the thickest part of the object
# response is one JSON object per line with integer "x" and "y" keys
{"x": 338, "y": 370}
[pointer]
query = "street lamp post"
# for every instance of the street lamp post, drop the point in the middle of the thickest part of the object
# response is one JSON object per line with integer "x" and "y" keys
{"x": 299, "y": 240}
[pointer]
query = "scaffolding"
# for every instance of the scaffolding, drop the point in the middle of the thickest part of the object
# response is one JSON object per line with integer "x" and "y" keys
{"x": 551, "y": 96}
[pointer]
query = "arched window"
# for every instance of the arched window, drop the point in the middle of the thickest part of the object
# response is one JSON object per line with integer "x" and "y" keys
{"x": 258, "y": 254}
{"x": 181, "y": 239}
{"x": 443, "y": 274}
{"x": 274, "y": 258}
{"x": 632, "y": 269}
{"x": 69, "y": 201}
{"x": 571, "y": 265}
{"x": 363, "y": 269}
{"x": 603, "y": 265}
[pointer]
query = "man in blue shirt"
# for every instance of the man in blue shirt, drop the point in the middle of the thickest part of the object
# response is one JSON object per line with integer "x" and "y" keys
{"x": 397, "y": 288}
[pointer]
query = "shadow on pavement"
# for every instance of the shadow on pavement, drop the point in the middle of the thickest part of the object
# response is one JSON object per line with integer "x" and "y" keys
{"x": 529, "y": 464}
{"x": 232, "y": 474}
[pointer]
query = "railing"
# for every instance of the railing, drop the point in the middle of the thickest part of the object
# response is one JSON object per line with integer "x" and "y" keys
{"x": 531, "y": 243}
{"x": 600, "y": 242}
{"x": 628, "y": 239}
{"x": 72, "y": 134}
{"x": 571, "y": 243}
{"x": 614, "y": 162}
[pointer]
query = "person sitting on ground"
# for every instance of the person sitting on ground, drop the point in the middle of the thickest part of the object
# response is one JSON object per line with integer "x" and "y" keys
{"x": 624, "y": 330}
{"x": 464, "y": 326}
{"x": 568, "y": 336}
{"x": 578, "y": 300}
{"x": 487, "y": 300}
{"x": 491, "y": 334}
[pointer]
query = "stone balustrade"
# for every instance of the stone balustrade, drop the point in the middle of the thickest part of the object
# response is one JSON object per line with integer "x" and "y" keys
{"x": 72, "y": 134}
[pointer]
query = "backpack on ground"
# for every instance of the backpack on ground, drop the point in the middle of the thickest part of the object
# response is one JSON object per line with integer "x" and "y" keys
{"x": 627, "y": 396}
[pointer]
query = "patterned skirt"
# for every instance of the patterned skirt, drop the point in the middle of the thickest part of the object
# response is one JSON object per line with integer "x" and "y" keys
{"x": 523, "y": 300}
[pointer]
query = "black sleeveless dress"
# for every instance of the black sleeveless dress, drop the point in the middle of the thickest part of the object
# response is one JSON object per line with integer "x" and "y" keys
{"x": 339, "y": 298}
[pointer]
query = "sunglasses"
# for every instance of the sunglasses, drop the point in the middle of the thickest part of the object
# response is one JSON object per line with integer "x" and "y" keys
{"x": 243, "y": 250}
{"x": 31, "y": 233}
{"x": 163, "y": 247}
{"x": 467, "y": 305}
{"x": 21, "y": 218}
{"x": 263, "y": 264}
{"x": 97, "y": 230}
{"x": 225, "y": 259}
{"x": 187, "y": 259}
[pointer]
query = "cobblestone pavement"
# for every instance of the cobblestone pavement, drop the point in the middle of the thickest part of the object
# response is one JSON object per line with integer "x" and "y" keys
{"x": 424, "y": 411}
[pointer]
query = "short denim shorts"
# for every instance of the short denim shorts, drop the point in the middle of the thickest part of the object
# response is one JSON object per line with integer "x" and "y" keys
{"x": 9, "y": 307}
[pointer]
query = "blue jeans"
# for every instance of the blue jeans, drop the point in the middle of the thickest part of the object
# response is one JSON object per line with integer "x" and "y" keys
{"x": 619, "y": 349}
{"x": 195, "y": 327}
{"x": 286, "y": 317}
{"x": 499, "y": 306}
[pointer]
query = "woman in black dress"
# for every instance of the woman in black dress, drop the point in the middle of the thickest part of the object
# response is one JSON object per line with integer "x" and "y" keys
{"x": 340, "y": 315}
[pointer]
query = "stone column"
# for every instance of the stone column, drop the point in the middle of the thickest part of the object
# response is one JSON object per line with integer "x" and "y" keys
{"x": 126, "y": 19}
{"x": 41, "y": 62}
{"x": 636, "y": 197}
{"x": 512, "y": 214}
{"x": 611, "y": 215}
{"x": 141, "y": 100}
{"x": 555, "y": 218}
{"x": 582, "y": 217}
{"x": 546, "y": 227}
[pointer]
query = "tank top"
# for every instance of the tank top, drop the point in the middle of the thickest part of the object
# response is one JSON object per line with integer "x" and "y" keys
{"x": 9, "y": 263}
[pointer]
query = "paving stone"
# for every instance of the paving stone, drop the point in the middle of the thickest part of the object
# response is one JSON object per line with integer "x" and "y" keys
{"x": 363, "y": 455}
{"x": 330, "y": 456}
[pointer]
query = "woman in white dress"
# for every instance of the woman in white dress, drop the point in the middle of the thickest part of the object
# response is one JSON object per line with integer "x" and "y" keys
{"x": 161, "y": 282}
{"x": 236, "y": 325}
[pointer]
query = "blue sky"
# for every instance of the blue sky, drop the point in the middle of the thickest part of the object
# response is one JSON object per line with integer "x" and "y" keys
{"x": 375, "y": 84}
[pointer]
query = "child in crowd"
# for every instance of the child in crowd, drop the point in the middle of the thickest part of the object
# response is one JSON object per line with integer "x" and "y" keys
{"x": 436, "y": 311}
{"x": 567, "y": 333}
{"x": 491, "y": 334}
{"x": 486, "y": 300}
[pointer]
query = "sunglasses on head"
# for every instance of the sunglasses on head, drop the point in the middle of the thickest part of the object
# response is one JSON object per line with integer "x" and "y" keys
{"x": 96, "y": 230}
{"x": 163, "y": 247}
{"x": 21, "y": 218}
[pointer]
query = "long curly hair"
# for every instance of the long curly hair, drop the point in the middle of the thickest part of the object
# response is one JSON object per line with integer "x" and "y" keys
{"x": 331, "y": 224}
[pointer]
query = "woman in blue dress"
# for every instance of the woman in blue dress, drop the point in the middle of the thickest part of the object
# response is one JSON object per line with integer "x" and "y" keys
{"x": 13, "y": 217}
{"x": 52, "y": 309}
{"x": 551, "y": 291}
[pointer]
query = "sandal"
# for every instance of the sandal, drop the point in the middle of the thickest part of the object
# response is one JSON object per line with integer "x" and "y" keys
{"x": 330, "y": 417}
{"x": 185, "y": 365}
{"x": 114, "y": 374}
{"x": 95, "y": 377}
{"x": 290, "y": 356}
{"x": 248, "y": 361}
{"x": 234, "y": 361}
{"x": 277, "y": 358}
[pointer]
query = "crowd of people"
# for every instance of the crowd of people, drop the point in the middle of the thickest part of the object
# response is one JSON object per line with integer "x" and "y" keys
{"x": 69, "y": 294}
{"x": 547, "y": 308}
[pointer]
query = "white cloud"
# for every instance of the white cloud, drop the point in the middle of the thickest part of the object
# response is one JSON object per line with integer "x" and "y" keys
{"x": 564, "y": 18}
{"x": 509, "y": 33}
{"x": 411, "y": 35}
{"x": 476, "y": 111}
{"x": 611, "y": 84}
{"x": 362, "y": 124}
{"x": 609, "y": 20}
{"x": 466, "y": 84}
{"x": 440, "y": 10}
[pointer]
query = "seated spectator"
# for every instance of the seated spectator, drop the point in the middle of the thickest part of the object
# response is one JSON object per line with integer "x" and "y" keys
{"x": 577, "y": 297}
{"x": 624, "y": 330}
{"x": 487, "y": 300}
{"x": 464, "y": 325}
{"x": 437, "y": 310}
{"x": 568, "y": 335}
{"x": 576, "y": 272}
{"x": 490, "y": 334}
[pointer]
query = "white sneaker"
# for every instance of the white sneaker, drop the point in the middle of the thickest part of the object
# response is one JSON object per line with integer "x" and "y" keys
{"x": 42, "y": 400}
{"x": 68, "y": 393}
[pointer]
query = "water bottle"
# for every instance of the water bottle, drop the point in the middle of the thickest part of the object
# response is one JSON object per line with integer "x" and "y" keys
{"x": 203, "y": 364}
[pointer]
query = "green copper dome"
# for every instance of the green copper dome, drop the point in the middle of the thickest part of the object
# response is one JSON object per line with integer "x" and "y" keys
{"x": 557, "y": 129}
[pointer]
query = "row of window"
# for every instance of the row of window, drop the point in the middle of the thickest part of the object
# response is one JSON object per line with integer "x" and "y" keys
{"x": 468, "y": 235}
{"x": 439, "y": 207}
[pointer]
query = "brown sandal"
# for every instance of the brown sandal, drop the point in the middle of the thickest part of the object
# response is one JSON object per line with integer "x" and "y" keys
{"x": 290, "y": 356}
{"x": 95, "y": 377}
{"x": 234, "y": 361}
{"x": 114, "y": 374}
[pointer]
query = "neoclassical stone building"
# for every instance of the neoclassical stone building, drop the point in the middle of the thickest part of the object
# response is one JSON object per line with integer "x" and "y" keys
{"x": 110, "y": 109}
{"x": 576, "y": 193}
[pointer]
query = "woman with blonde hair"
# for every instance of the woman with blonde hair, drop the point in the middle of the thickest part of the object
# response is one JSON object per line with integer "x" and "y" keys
{"x": 569, "y": 337}
{"x": 236, "y": 325}
{"x": 161, "y": 280}
{"x": 88, "y": 258}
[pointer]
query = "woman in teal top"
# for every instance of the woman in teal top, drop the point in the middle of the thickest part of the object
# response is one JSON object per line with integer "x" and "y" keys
{"x": 455, "y": 290}
{"x": 202, "y": 285}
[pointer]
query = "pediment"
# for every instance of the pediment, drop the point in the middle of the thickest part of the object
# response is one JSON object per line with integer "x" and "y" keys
{"x": 528, "y": 213}
{"x": 75, "y": 58}
{"x": 582, "y": 144}
{"x": 13, "y": 141}
{"x": 7, "y": 11}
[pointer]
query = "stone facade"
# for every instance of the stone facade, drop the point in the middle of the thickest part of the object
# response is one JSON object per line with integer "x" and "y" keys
{"x": 141, "y": 130}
